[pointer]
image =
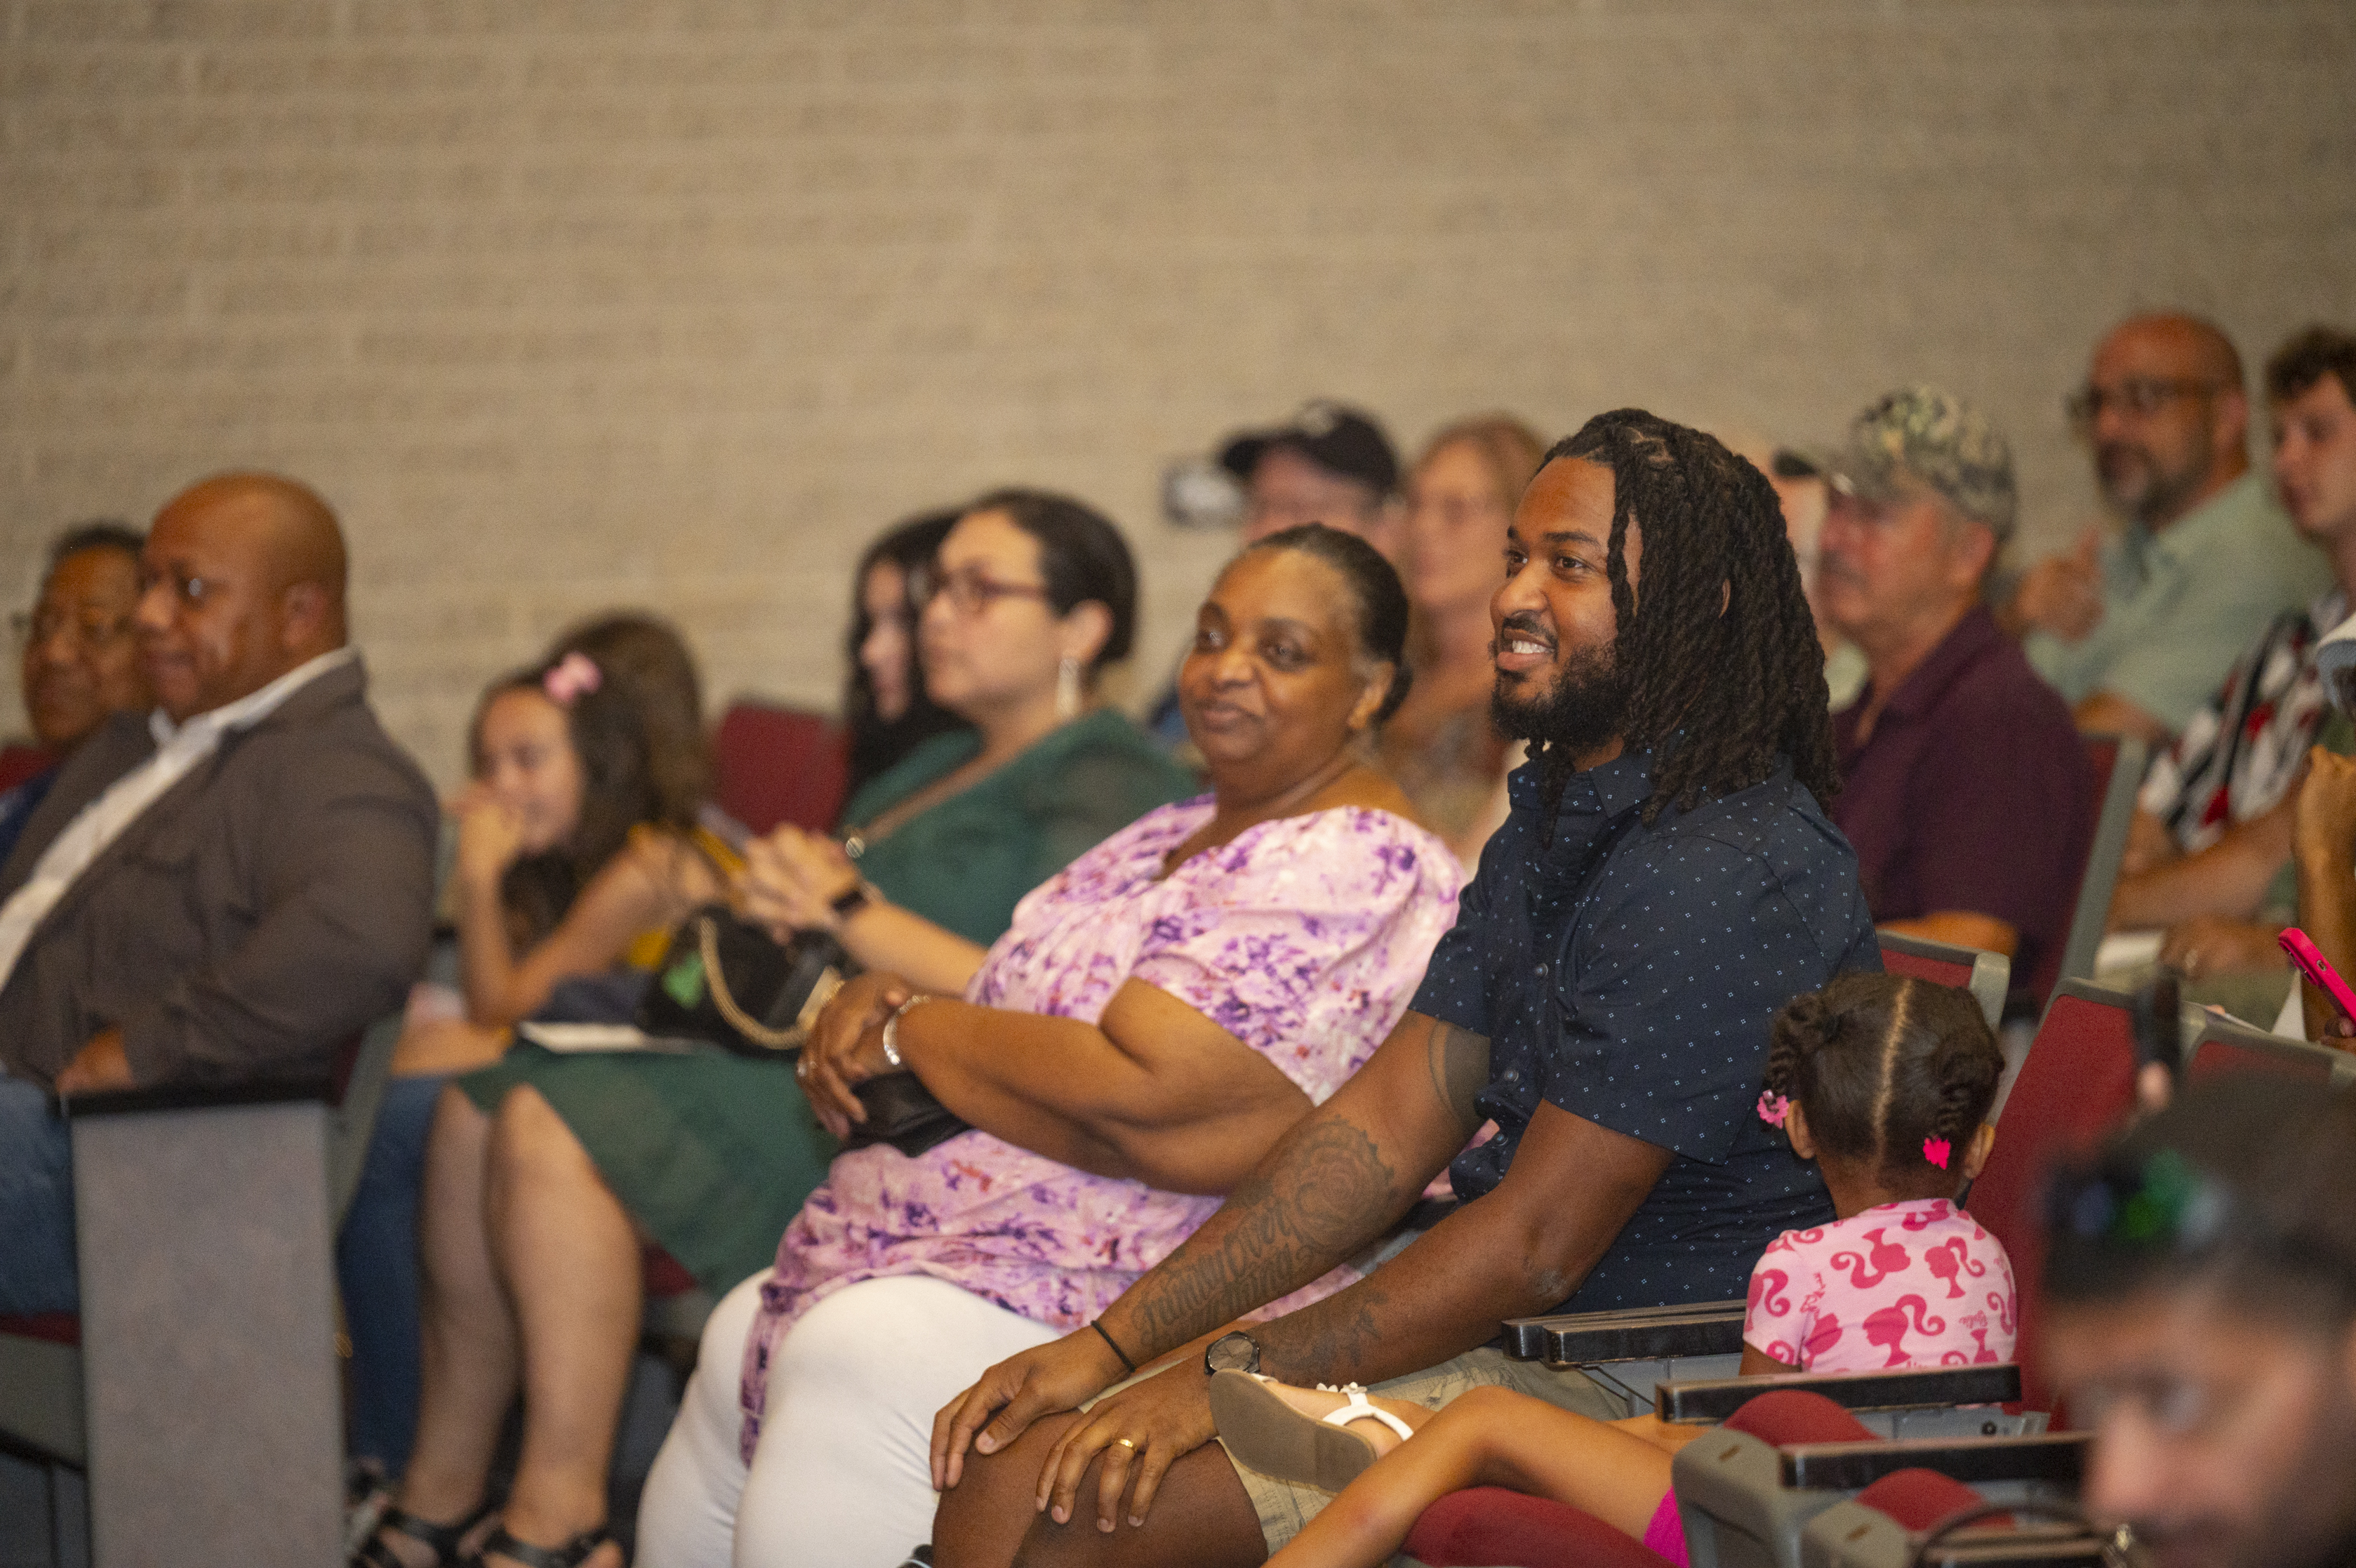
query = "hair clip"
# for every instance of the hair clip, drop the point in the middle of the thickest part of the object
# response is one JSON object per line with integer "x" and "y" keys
{"x": 1773, "y": 1108}
{"x": 1936, "y": 1150}
{"x": 572, "y": 678}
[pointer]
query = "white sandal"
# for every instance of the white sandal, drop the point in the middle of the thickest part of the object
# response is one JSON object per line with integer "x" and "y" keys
{"x": 1262, "y": 1430}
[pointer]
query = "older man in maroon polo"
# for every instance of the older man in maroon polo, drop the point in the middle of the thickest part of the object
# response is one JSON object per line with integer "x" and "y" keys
{"x": 1963, "y": 785}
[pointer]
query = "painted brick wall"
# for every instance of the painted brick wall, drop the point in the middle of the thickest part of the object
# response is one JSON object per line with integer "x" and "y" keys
{"x": 569, "y": 303}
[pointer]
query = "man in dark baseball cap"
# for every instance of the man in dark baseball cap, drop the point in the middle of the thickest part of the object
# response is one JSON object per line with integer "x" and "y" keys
{"x": 1964, "y": 788}
{"x": 1328, "y": 464}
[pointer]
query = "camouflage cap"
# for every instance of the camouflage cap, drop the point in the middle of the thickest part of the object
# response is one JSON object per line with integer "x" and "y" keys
{"x": 1923, "y": 437}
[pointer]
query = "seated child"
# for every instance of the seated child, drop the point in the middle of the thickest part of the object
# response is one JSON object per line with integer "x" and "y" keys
{"x": 1885, "y": 1081}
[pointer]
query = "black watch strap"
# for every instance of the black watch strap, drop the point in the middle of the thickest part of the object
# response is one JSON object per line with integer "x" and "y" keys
{"x": 846, "y": 905}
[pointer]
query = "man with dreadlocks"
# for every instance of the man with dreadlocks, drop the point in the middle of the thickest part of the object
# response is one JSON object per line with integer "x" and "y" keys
{"x": 1666, "y": 880}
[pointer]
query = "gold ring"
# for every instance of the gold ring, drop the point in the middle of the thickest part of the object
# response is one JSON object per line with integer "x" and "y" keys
{"x": 1126, "y": 1442}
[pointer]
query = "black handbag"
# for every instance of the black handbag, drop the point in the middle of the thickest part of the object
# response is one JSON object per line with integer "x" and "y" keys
{"x": 727, "y": 981}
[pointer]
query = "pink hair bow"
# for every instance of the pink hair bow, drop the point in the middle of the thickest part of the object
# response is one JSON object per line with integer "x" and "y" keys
{"x": 572, "y": 678}
{"x": 1936, "y": 1151}
{"x": 1773, "y": 1108}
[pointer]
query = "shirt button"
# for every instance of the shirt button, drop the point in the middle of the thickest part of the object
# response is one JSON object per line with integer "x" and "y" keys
{"x": 1541, "y": 972}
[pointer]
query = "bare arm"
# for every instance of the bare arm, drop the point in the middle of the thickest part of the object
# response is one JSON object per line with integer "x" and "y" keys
{"x": 2228, "y": 879}
{"x": 2325, "y": 835}
{"x": 2107, "y": 713}
{"x": 1156, "y": 1092}
{"x": 791, "y": 882}
{"x": 885, "y": 936}
{"x": 1960, "y": 928}
{"x": 648, "y": 884}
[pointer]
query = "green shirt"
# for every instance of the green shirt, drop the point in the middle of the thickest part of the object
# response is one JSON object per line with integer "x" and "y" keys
{"x": 2180, "y": 606}
{"x": 965, "y": 862}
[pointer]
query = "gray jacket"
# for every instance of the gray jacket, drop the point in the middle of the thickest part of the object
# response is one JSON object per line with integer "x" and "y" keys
{"x": 262, "y": 911}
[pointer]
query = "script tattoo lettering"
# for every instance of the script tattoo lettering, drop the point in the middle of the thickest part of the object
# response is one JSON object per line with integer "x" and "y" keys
{"x": 1320, "y": 1201}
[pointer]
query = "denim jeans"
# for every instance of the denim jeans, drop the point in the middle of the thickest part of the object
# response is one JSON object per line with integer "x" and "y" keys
{"x": 37, "y": 1217}
{"x": 376, "y": 1265}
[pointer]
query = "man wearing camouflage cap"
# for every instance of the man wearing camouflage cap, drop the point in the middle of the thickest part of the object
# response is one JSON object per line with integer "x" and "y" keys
{"x": 1964, "y": 789}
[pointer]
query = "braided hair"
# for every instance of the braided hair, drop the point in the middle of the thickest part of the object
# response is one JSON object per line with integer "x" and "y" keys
{"x": 1881, "y": 1063}
{"x": 1724, "y": 673}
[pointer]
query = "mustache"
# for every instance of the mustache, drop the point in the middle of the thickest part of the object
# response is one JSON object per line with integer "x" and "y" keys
{"x": 1521, "y": 623}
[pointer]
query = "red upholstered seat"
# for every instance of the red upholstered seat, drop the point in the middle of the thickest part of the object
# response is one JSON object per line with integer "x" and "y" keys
{"x": 779, "y": 765}
{"x": 1489, "y": 1525}
{"x": 1920, "y": 1498}
{"x": 1789, "y": 1416}
{"x": 18, "y": 763}
{"x": 664, "y": 1274}
{"x": 56, "y": 1327}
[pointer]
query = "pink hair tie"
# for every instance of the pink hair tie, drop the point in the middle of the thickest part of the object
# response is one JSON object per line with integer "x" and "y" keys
{"x": 1773, "y": 1108}
{"x": 572, "y": 678}
{"x": 1936, "y": 1150}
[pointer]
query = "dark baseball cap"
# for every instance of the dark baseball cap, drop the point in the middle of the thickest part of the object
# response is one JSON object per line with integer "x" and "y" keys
{"x": 1337, "y": 438}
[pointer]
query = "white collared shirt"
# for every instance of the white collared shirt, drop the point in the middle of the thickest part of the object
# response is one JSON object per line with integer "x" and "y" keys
{"x": 178, "y": 748}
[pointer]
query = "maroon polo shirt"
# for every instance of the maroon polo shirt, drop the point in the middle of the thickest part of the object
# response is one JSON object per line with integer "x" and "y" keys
{"x": 1974, "y": 793}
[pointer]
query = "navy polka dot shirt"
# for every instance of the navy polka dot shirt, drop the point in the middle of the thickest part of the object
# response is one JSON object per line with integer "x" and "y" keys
{"x": 1627, "y": 974}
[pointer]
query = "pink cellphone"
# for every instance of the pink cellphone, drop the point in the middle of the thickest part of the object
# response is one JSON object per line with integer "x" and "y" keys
{"x": 2318, "y": 970}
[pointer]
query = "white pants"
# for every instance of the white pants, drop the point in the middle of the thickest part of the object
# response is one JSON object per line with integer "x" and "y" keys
{"x": 843, "y": 1474}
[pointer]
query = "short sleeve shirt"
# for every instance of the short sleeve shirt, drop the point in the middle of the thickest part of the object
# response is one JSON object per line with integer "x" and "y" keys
{"x": 1627, "y": 974}
{"x": 2180, "y": 606}
{"x": 1900, "y": 1284}
{"x": 1972, "y": 793}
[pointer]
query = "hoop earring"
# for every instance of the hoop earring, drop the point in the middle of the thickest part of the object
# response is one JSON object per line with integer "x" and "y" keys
{"x": 1067, "y": 689}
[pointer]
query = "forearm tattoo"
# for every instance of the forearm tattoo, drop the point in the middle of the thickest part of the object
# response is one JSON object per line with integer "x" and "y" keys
{"x": 1317, "y": 1203}
{"x": 1459, "y": 1070}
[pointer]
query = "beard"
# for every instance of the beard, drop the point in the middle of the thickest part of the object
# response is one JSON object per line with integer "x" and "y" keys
{"x": 1586, "y": 707}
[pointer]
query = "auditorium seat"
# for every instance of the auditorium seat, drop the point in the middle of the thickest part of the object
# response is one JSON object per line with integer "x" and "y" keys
{"x": 2225, "y": 1045}
{"x": 198, "y": 1388}
{"x": 779, "y": 765}
{"x": 2118, "y": 766}
{"x": 1986, "y": 975}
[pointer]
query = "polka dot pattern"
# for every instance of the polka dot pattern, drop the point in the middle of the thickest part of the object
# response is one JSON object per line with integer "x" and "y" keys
{"x": 1627, "y": 974}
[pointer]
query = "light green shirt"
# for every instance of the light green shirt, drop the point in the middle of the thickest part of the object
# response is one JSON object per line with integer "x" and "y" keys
{"x": 2180, "y": 606}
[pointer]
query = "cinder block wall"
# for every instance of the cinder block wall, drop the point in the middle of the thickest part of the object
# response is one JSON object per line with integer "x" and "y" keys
{"x": 573, "y": 303}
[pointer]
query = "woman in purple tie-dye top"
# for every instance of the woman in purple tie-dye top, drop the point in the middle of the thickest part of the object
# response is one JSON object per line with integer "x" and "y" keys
{"x": 1159, "y": 1014}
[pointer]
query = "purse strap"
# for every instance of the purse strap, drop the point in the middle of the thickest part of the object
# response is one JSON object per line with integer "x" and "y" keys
{"x": 707, "y": 941}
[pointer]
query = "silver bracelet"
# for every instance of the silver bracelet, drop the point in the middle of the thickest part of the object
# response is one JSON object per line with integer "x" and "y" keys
{"x": 892, "y": 1031}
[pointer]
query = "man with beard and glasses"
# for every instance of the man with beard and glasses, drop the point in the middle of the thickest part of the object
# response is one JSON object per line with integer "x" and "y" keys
{"x": 1962, "y": 784}
{"x": 2136, "y": 630}
{"x": 1666, "y": 880}
{"x": 2199, "y": 1313}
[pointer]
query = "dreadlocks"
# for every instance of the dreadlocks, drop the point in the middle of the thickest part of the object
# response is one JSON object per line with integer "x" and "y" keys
{"x": 1717, "y": 695}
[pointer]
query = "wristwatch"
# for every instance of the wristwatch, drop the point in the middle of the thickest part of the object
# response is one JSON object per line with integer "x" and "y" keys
{"x": 846, "y": 905}
{"x": 1233, "y": 1352}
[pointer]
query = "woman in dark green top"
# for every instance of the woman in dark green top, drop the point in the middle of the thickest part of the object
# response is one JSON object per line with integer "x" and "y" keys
{"x": 711, "y": 1154}
{"x": 1029, "y": 596}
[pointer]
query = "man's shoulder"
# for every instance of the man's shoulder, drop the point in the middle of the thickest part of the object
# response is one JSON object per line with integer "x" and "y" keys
{"x": 328, "y": 738}
{"x": 2000, "y": 700}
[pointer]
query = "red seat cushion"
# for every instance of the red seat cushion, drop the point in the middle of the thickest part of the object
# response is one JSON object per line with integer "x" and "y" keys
{"x": 1787, "y": 1416}
{"x": 778, "y": 765}
{"x": 56, "y": 1327}
{"x": 1490, "y": 1527}
{"x": 664, "y": 1274}
{"x": 1920, "y": 1498}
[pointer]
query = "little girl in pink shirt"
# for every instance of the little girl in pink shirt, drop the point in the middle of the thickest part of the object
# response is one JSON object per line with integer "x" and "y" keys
{"x": 1885, "y": 1081}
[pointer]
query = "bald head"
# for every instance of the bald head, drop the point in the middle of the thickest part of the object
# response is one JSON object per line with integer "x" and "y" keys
{"x": 245, "y": 579}
{"x": 2198, "y": 345}
{"x": 2169, "y": 417}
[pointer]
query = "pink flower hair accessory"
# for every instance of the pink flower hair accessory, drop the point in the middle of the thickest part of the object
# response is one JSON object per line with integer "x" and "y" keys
{"x": 1936, "y": 1151}
{"x": 572, "y": 678}
{"x": 1773, "y": 1108}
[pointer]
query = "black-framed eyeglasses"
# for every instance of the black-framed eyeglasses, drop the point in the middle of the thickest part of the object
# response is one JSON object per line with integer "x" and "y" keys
{"x": 969, "y": 592}
{"x": 2141, "y": 396}
{"x": 90, "y": 630}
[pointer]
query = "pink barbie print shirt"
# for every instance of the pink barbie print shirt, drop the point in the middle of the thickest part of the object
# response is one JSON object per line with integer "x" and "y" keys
{"x": 1901, "y": 1285}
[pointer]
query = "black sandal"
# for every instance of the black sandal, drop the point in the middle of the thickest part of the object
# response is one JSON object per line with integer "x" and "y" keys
{"x": 571, "y": 1555}
{"x": 441, "y": 1540}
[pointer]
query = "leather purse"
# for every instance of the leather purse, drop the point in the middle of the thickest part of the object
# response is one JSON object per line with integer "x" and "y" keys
{"x": 725, "y": 979}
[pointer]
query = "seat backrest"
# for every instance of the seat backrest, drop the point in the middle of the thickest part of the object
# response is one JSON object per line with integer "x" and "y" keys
{"x": 2076, "y": 1084}
{"x": 2118, "y": 763}
{"x": 1985, "y": 974}
{"x": 779, "y": 765}
{"x": 2225, "y": 1045}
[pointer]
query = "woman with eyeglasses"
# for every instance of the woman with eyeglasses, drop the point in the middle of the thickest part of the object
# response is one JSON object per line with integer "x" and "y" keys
{"x": 709, "y": 1155}
{"x": 1159, "y": 1014}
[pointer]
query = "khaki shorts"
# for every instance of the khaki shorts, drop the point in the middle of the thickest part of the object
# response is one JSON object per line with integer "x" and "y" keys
{"x": 1285, "y": 1506}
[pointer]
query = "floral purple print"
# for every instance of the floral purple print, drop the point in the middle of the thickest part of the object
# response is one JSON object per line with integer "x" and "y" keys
{"x": 1901, "y": 1285}
{"x": 1304, "y": 937}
